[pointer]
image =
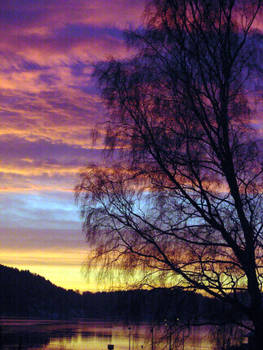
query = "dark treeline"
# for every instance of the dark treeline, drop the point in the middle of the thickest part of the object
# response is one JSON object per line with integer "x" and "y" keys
{"x": 152, "y": 306}
{"x": 25, "y": 294}
{"x": 29, "y": 295}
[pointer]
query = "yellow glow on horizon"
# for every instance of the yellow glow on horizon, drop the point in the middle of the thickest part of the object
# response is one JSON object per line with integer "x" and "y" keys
{"x": 63, "y": 268}
{"x": 67, "y": 277}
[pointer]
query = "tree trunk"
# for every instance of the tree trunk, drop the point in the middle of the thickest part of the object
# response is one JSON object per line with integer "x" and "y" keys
{"x": 256, "y": 340}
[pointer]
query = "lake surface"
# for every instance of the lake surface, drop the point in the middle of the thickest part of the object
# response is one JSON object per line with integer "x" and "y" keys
{"x": 94, "y": 335}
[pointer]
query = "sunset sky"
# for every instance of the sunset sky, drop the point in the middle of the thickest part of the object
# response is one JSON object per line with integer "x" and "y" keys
{"x": 49, "y": 105}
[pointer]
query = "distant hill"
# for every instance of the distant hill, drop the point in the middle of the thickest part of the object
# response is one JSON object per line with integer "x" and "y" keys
{"x": 29, "y": 295}
{"x": 25, "y": 294}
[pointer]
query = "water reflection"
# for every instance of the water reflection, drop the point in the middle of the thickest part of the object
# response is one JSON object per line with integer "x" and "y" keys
{"x": 83, "y": 335}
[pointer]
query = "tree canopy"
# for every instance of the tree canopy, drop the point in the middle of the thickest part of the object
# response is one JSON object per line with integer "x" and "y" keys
{"x": 183, "y": 204}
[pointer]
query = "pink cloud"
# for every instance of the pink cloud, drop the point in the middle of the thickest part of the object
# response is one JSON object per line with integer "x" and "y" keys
{"x": 51, "y": 14}
{"x": 48, "y": 107}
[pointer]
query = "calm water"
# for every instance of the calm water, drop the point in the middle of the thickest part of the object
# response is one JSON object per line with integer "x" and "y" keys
{"x": 88, "y": 335}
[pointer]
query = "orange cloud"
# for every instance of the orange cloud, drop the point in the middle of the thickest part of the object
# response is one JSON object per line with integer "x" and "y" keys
{"x": 49, "y": 106}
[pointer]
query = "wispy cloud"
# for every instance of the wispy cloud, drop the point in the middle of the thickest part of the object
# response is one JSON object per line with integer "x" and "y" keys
{"x": 48, "y": 108}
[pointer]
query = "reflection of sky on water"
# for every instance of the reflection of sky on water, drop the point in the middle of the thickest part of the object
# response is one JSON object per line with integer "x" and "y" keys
{"x": 82, "y": 335}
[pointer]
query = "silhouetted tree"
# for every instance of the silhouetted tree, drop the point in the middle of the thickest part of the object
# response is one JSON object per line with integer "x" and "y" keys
{"x": 183, "y": 206}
